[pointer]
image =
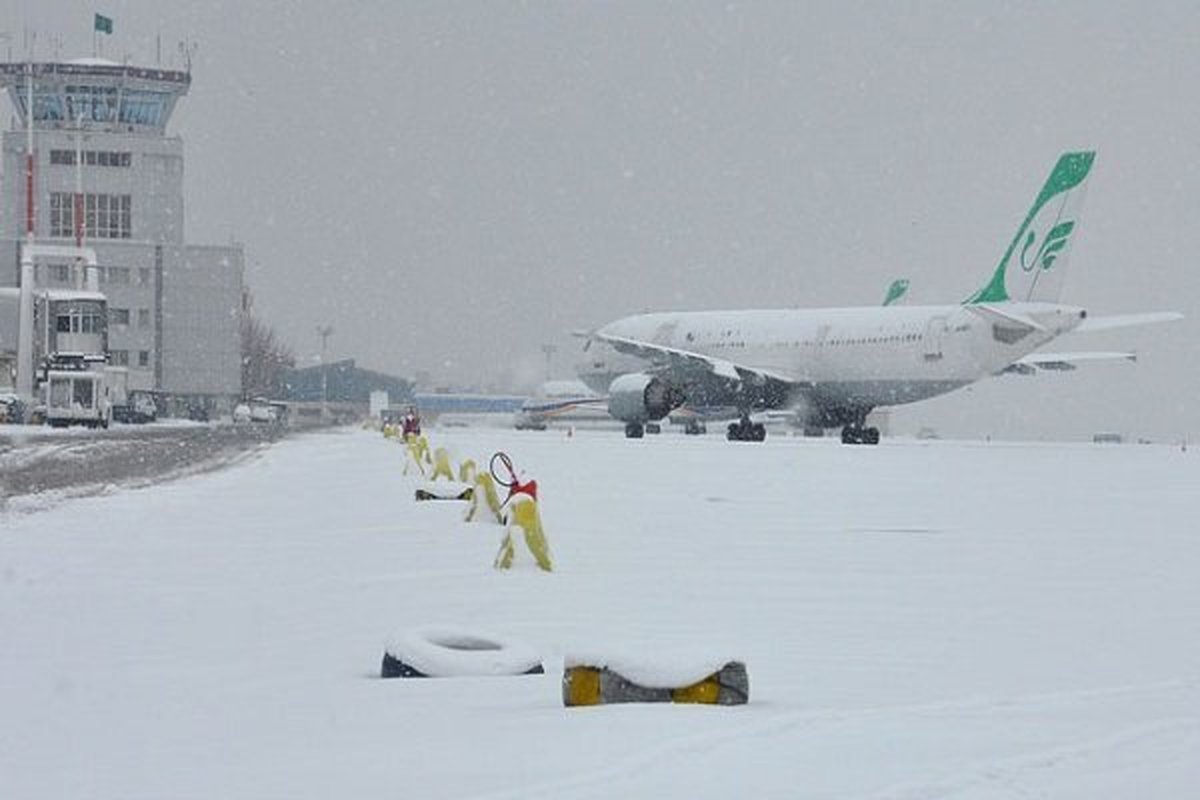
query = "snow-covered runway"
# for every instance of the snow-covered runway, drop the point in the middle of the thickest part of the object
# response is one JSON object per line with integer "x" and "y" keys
{"x": 930, "y": 619}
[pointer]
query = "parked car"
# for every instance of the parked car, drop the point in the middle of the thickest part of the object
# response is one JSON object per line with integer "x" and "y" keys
{"x": 138, "y": 409}
{"x": 11, "y": 408}
{"x": 261, "y": 411}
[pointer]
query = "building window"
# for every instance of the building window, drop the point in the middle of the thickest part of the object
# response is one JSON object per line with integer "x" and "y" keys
{"x": 143, "y": 318}
{"x": 143, "y": 358}
{"x": 115, "y": 275}
{"x": 60, "y": 273}
{"x": 106, "y": 216}
{"x": 141, "y": 107}
{"x": 118, "y": 316}
{"x": 143, "y": 276}
{"x": 93, "y": 158}
{"x": 62, "y": 214}
{"x": 118, "y": 358}
{"x": 78, "y": 322}
{"x": 95, "y": 103}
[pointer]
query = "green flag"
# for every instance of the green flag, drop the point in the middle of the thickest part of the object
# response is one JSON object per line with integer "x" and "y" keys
{"x": 103, "y": 24}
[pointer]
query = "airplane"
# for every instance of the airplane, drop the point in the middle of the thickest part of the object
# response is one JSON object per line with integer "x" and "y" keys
{"x": 833, "y": 366}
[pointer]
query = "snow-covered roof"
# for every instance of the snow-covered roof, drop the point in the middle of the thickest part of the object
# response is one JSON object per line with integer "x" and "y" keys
{"x": 72, "y": 294}
{"x": 93, "y": 62}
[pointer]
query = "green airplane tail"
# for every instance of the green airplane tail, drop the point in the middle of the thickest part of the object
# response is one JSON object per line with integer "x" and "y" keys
{"x": 1033, "y": 266}
{"x": 895, "y": 291}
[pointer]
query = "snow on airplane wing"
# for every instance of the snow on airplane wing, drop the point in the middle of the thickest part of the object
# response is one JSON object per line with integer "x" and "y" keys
{"x": 689, "y": 362}
{"x": 1126, "y": 320}
{"x": 1062, "y": 361}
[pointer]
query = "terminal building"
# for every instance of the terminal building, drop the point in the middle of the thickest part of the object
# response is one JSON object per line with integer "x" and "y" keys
{"x": 108, "y": 173}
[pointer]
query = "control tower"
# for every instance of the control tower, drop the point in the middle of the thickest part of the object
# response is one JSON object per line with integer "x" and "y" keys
{"x": 107, "y": 174}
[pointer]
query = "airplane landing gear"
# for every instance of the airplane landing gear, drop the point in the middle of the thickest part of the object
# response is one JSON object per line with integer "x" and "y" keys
{"x": 746, "y": 431}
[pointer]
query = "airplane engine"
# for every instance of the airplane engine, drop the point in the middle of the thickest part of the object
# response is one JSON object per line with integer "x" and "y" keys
{"x": 637, "y": 397}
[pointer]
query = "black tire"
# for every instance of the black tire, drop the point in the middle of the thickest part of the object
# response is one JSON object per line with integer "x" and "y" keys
{"x": 849, "y": 435}
{"x": 653, "y": 427}
{"x": 871, "y": 436}
{"x": 734, "y": 434}
{"x": 634, "y": 430}
{"x": 438, "y": 652}
{"x": 758, "y": 432}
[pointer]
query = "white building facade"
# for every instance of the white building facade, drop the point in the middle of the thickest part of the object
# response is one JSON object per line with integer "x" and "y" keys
{"x": 105, "y": 169}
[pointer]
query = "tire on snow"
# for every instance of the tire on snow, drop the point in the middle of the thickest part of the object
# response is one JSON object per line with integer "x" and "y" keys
{"x": 446, "y": 652}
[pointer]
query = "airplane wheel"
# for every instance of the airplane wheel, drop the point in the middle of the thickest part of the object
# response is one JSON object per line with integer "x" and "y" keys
{"x": 734, "y": 433}
{"x": 870, "y": 436}
{"x": 653, "y": 427}
{"x": 634, "y": 430}
{"x": 758, "y": 432}
{"x": 850, "y": 435}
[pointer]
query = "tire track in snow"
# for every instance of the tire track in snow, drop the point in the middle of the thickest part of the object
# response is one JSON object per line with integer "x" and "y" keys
{"x": 1007, "y": 771}
{"x": 788, "y": 721}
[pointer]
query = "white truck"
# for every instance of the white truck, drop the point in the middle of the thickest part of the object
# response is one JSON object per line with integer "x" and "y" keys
{"x": 79, "y": 391}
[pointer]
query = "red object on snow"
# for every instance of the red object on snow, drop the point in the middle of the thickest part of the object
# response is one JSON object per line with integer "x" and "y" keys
{"x": 412, "y": 424}
{"x": 529, "y": 488}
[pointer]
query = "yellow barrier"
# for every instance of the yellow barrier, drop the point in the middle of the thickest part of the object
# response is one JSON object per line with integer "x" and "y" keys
{"x": 441, "y": 465}
{"x": 522, "y": 513}
{"x": 587, "y": 685}
{"x": 485, "y": 503}
{"x": 466, "y": 471}
{"x": 418, "y": 454}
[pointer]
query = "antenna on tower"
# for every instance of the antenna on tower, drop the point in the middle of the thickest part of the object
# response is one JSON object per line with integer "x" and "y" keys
{"x": 186, "y": 51}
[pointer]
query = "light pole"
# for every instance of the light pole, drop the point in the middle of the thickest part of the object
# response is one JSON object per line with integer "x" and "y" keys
{"x": 324, "y": 331}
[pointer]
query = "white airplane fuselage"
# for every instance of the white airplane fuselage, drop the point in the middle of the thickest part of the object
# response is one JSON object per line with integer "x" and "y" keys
{"x": 861, "y": 356}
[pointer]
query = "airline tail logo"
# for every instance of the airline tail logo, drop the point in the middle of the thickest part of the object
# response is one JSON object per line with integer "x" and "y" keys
{"x": 1027, "y": 272}
{"x": 1052, "y": 245}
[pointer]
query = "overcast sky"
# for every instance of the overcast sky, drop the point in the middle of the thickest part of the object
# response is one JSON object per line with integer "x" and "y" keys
{"x": 452, "y": 185}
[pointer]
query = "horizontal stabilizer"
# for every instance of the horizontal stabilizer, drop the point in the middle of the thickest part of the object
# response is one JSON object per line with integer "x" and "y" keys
{"x": 1062, "y": 362}
{"x": 1126, "y": 320}
{"x": 1002, "y": 314}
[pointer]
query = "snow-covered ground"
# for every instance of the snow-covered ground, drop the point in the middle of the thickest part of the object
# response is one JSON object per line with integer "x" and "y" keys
{"x": 919, "y": 619}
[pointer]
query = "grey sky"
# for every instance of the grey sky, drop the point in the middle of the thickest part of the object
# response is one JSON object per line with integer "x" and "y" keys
{"x": 453, "y": 184}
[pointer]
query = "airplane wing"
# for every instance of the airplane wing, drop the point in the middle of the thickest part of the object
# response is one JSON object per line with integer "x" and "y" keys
{"x": 551, "y": 407}
{"x": 1126, "y": 320}
{"x": 1061, "y": 362}
{"x": 692, "y": 364}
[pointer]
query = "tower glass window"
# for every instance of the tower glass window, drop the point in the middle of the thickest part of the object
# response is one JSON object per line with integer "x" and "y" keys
{"x": 94, "y": 103}
{"x": 139, "y": 107}
{"x": 106, "y": 216}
